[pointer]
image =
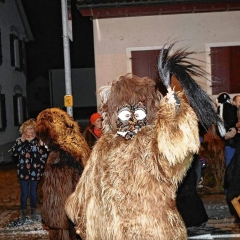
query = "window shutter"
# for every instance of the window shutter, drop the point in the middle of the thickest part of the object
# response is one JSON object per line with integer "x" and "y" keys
{"x": 19, "y": 108}
{"x": 12, "y": 37}
{"x": 3, "y": 118}
{"x": 1, "y": 57}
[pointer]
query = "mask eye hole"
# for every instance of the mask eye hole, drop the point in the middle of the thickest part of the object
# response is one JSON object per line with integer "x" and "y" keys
{"x": 124, "y": 115}
{"x": 140, "y": 114}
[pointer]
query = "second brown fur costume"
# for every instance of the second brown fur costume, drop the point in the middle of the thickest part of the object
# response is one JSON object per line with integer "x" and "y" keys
{"x": 68, "y": 155}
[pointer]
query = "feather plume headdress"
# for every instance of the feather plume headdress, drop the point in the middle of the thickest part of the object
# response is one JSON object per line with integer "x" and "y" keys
{"x": 179, "y": 64}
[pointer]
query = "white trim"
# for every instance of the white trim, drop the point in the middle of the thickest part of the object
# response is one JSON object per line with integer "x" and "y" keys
{"x": 208, "y": 60}
{"x": 131, "y": 49}
{"x": 219, "y": 236}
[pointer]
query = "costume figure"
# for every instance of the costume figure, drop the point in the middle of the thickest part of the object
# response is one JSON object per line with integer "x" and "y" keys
{"x": 32, "y": 157}
{"x": 128, "y": 188}
{"x": 68, "y": 155}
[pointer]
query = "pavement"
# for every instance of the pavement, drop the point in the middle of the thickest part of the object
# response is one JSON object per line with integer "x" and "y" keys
{"x": 219, "y": 226}
{"x": 9, "y": 209}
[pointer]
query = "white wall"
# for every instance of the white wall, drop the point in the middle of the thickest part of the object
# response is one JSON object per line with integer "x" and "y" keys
{"x": 114, "y": 38}
{"x": 10, "y": 16}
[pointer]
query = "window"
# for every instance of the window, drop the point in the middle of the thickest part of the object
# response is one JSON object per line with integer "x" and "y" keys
{"x": 1, "y": 57}
{"x": 225, "y": 69}
{"x": 144, "y": 64}
{"x": 19, "y": 107}
{"x": 16, "y": 50}
{"x": 3, "y": 119}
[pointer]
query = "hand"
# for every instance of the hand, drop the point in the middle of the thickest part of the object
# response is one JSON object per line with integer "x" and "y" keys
{"x": 23, "y": 137}
{"x": 238, "y": 127}
{"x": 172, "y": 97}
{"x": 230, "y": 134}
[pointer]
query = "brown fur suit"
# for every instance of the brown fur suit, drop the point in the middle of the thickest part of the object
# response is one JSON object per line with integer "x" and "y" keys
{"x": 128, "y": 188}
{"x": 68, "y": 156}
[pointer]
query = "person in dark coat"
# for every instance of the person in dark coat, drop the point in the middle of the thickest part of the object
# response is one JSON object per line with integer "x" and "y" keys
{"x": 188, "y": 201}
{"x": 228, "y": 112}
{"x": 232, "y": 181}
{"x": 232, "y": 176}
{"x": 94, "y": 130}
{"x": 32, "y": 157}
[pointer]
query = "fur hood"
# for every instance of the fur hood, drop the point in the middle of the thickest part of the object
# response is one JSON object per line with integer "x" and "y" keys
{"x": 60, "y": 132}
{"x": 127, "y": 89}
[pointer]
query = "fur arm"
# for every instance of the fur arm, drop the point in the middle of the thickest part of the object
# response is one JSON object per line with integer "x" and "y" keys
{"x": 177, "y": 130}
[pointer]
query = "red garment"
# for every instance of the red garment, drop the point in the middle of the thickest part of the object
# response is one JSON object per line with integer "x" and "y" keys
{"x": 97, "y": 132}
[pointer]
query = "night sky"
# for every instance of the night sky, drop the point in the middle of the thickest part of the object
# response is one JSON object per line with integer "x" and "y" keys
{"x": 46, "y": 52}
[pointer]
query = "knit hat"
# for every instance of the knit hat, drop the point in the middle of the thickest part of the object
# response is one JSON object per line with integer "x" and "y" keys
{"x": 94, "y": 117}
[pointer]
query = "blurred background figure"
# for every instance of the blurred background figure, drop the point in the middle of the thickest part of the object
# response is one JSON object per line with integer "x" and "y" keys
{"x": 232, "y": 177}
{"x": 94, "y": 130}
{"x": 228, "y": 112}
{"x": 32, "y": 157}
{"x": 236, "y": 103}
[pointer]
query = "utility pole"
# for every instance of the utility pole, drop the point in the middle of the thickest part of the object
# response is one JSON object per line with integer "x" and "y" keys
{"x": 68, "y": 98}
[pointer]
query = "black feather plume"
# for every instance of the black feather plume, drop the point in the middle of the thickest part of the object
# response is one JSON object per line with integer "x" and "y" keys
{"x": 179, "y": 64}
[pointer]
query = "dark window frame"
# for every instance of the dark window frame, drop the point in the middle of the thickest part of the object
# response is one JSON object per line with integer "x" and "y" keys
{"x": 3, "y": 116}
{"x": 16, "y": 52}
{"x": 1, "y": 56}
{"x": 19, "y": 112}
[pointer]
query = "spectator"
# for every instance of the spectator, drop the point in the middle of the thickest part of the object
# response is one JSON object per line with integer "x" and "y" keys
{"x": 189, "y": 203}
{"x": 236, "y": 102}
{"x": 232, "y": 177}
{"x": 94, "y": 130}
{"x": 228, "y": 112}
{"x": 32, "y": 157}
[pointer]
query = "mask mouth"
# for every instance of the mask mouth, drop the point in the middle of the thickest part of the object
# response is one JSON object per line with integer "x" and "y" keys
{"x": 128, "y": 134}
{"x": 131, "y": 118}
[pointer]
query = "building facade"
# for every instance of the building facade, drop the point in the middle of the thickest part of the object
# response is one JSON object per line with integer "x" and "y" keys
{"x": 129, "y": 34}
{"x": 14, "y": 34}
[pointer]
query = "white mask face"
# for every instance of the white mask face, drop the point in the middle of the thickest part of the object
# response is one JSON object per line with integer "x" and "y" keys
{"x": 131, "y": 118}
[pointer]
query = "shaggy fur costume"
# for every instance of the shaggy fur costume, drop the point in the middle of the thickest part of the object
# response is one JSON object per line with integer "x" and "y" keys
{"x": 68, "y": 155}
{"x": 128, "y": 188}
